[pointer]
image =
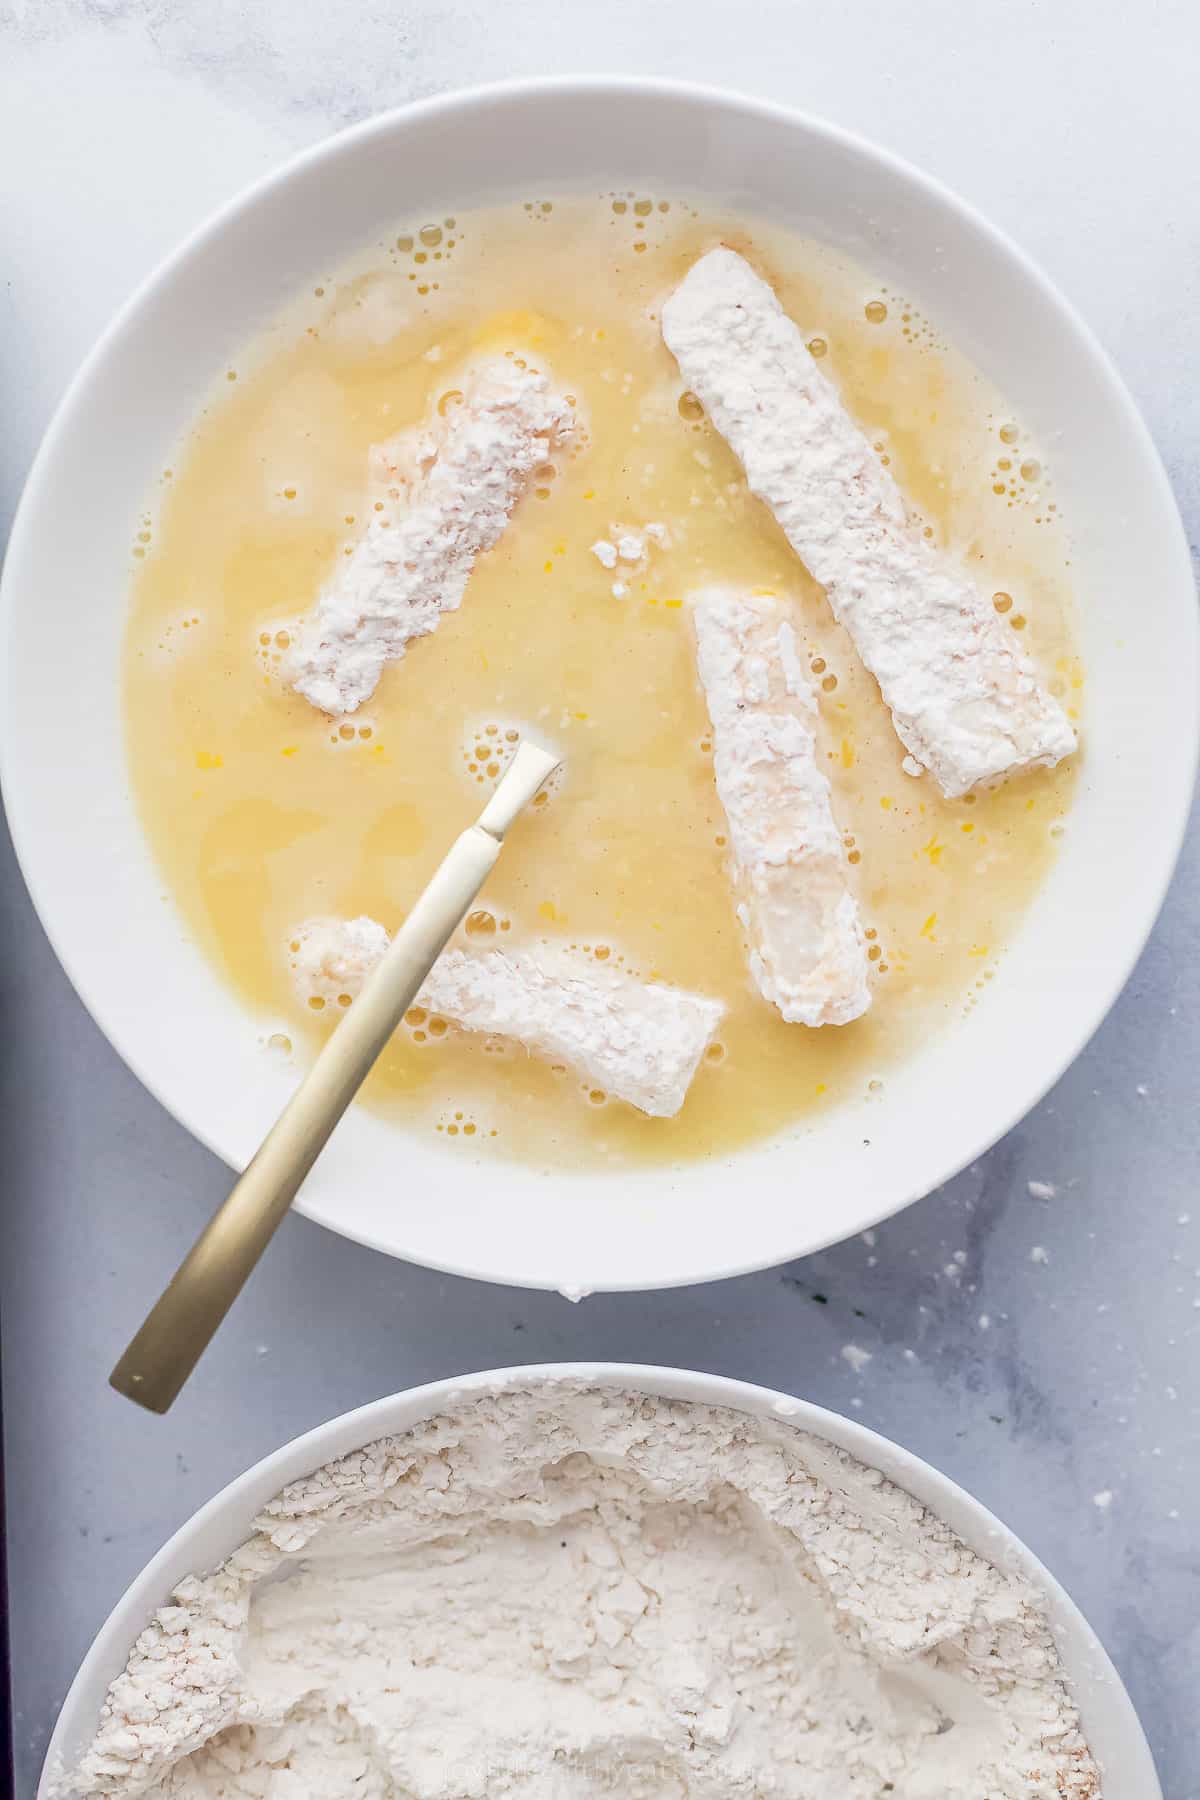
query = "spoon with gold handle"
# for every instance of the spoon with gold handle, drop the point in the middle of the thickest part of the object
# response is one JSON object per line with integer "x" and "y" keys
{"x": 204, "y": 1287}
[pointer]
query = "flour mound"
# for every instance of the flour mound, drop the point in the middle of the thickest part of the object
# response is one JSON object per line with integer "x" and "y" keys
{"x": 567, "y": 1592}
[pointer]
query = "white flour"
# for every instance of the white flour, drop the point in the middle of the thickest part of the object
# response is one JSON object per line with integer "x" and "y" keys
{"x": 571, "y": 1592}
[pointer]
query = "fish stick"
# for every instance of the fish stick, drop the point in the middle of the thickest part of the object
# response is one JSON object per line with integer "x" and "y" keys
{"x": 637, "y": 1041}
{"x": 458, "y": 481}
{"x": 967, "y": 704}
{"x": 807, "y": 951}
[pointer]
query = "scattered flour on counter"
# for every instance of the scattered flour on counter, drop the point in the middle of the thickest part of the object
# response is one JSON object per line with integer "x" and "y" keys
{"x": 570, "y": 1592}
{"x": 1041, "y": 1190}
{"x": 1039, "y": 1254}
{"x": 856, "y": 1356}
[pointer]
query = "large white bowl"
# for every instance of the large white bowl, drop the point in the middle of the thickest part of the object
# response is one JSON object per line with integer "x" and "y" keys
{"x": 67, "y": 786}
{"x": 1109, "y": 1721}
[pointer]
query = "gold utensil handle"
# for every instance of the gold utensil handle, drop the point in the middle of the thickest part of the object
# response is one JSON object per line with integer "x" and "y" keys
{"x": 204, "y": 1287}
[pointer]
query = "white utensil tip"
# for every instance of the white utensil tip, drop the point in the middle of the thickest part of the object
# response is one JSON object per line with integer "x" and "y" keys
{"x": 530, "y": 767}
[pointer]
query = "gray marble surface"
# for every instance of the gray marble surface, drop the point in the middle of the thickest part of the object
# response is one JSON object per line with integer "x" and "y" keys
{"x": 1075, "y": 1413}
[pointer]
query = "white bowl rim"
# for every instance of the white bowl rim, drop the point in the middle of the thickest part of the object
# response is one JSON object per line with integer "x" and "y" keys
{"x": 249, "y": 1492}
{"x": 1180, "y": 772}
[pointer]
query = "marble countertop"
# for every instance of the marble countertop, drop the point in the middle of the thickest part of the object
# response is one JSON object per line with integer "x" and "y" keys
{"x": 1075, "y": 1411}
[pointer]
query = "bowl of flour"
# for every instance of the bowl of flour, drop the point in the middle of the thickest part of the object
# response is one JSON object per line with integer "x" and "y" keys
{"x": 575, "y": 1579}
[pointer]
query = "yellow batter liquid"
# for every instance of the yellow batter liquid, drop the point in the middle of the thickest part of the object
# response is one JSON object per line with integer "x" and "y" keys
{"x": 263, "y": 813}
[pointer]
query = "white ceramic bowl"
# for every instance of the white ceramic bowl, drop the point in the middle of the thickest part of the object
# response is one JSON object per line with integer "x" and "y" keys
{"x": 1109, "y": 1721}
{"x": 101, "y": 898}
